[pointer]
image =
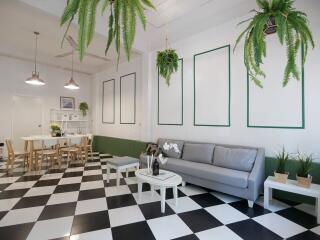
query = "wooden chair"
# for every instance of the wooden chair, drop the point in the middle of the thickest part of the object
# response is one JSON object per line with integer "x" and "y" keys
{"x": 12, "y": 155}
{"x": 83, "y": 149}
{"x": 53, "y": 155}
{"x": 90, "y": 146}
{"x": 71, "y": 151}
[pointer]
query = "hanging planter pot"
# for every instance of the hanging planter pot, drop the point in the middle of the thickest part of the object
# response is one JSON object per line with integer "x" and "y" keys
{"x": 167, "y": 63}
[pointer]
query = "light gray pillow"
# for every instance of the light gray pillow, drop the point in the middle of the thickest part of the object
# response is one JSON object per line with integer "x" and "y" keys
{"x": 234, "y": 158}
{"x": 198, "y": 152}
{"x": 171, "y": 153}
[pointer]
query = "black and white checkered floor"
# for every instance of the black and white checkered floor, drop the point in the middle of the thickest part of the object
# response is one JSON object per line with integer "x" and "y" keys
{"x": 75, "y": 202}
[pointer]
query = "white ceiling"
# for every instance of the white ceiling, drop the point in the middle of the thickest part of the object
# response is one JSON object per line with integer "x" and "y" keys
{"x": 178, "y": 18}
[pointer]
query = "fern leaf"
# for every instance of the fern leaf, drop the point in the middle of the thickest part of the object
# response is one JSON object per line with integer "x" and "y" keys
{"x": 82, "y": 33}
{"x": 111, "y": 31}
{"x": 69, "y": 11}
{"x": 91, "y": 20}
{"x": 105, "y": 4}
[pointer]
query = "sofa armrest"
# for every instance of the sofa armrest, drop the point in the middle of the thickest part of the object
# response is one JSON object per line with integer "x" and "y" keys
{"x": 257, "y": 175}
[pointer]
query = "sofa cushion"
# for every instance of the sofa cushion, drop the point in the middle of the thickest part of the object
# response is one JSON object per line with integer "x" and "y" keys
{"x": 234, "y": 158}
{"x": 171, "y": 152}
{"x": 198, "y": 152}
{"x": 209, "y": 172}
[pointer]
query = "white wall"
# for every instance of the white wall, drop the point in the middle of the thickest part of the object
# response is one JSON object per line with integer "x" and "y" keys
{"x": 13, "y": 74}
{"x": 130, "y": 131}
{"x": 271, "y": 139}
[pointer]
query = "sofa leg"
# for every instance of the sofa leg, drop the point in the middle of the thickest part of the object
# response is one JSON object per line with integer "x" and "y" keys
{"x": 250, "y": 204}
{"x": 183, "y": 183}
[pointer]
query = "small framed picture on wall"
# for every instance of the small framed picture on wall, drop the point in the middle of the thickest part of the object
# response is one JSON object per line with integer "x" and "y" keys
{"x": 67, "y": 103}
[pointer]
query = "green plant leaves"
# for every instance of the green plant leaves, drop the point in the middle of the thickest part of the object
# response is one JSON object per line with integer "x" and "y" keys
{"x": 122, "y": 21}
{"x": 167, "y": 63}
{"x": 292, "y": 30}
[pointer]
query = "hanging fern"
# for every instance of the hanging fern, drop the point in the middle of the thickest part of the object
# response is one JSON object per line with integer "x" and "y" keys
{"x": 167, "y": 63}
{"x": 122, "y": 21}
{"x": 292, "y": 30}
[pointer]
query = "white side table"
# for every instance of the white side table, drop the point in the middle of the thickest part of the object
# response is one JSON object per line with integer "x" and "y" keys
{"x": 291, "y": 186}
{"x": 172, "y": 181}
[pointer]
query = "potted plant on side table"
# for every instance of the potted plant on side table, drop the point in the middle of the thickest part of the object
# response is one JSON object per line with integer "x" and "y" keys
{"x": 280, "y": 173}
{"x": 55, "y": 130}
{"x": 303, "y": 177}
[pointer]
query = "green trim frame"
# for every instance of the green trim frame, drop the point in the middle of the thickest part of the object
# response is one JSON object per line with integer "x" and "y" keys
{"x": 114, "y": 100}
{"x": 229, "y": 90}
{"x": 302, "y": 104}
{"x": 172, "y": 124}
{"x": 135, "y": 88}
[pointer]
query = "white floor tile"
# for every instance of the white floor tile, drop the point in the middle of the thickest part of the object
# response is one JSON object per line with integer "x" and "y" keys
{"x": 70, "y": 180}
{"x": 37, "y": 191}
{"x": 91, "y": 164}
{"x": 115, "y": 191}
{"x": 218, "y": 233}
{"x": 190, "y": 190}
{"x": 226, "y": 214}
{"x": 91, "y": 185}
{"x": 104, "y": 234}
{"x": 7, "y": 204}
{"x": 125, "y": 215}
{"x": 147, "y": 197}
{"x": 92, "y": 205}
{"x": 308, "y": 208}
{"x": 225, "y": 197}
{"x": 131, "y": 180}
{"x": 316, "y": 230}
{"x": 274, "y": 204}
{"x": 92, "y": 172}
{"x": 33, "y": 173}
{"x": 76, "y": 169}
{"x": 6, "y": 180}
{"x": 48, "y": 229}
{"x": 51, "y": 176}
{"x": 63, "y": 198}
{"x": 185, "y": 204}
{"x": 21, "y": 185}
{"x": 19, "y": 216}
{"x": 279, "y": 225}
{"x": 168, "y": 227}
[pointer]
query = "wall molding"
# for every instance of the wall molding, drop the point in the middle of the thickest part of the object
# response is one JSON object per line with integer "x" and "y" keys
{"x": 114, "y": 100}
{"x": 302, "y": 126}
{"x": 135, "y": 88}
{"x": 228, "y": 124}
{"x": 171, "y": 124}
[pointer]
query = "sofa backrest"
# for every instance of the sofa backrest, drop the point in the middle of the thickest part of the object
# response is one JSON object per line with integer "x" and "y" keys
{"x": 118, "y": 146}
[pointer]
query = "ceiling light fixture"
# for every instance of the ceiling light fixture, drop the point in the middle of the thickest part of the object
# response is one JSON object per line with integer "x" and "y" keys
{"x": 35, "y": 79}
{"x": 72, "y": 84}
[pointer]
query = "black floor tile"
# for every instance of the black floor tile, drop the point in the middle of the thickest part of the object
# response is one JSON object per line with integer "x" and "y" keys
{"x": 16, "y": 232}
{"x": 29, "y": 178}
{"x": 188, "y": 237}
{"x": 56, "y": 170}
{"x": 92, "y": 168}
{"x": 120, "y": 201}
{"x": 58, "y": 210}
{"x": 90, "y": 222}
{"x": 206, "y": 200}
{"x": 243, "y": 207}
{"x": 302, "y": 218}
{"x": 35, "y": 201}
{"x": 4, "y": 186}
{"x": 72, "y": 174}
{"x": 13, "y": 193}
{"x": 130, "y": 174}
{"x": 136, "y": 231}
{"x": 199, "y": 220}
{"x": 43, "y": 183}
{"x": 91, "y": 194}
{"x": 134, "y": 187}
{"x": 251, "y": 230}
{"x": 2, "y": 214}
{"x": 113, "y": 182}
{"x": 153, "y": 210}
{"x": 67, "y": 188}
{"x": 169, "y": 193}
{"x": 92, "y": 178}
{"x": 307, "y": 235}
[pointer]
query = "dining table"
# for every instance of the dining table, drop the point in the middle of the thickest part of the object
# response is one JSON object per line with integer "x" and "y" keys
{"x": 30, "y": 140}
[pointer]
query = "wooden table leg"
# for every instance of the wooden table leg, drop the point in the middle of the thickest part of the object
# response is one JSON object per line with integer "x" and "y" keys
{"x": 30, "y": 143}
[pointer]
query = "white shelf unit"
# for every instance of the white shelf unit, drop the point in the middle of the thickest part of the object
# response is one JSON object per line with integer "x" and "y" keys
{"x": 71, "y": 121}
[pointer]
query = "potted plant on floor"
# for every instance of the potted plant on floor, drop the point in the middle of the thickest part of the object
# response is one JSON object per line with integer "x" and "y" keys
{"x": 303, "y": 177}
{"x": 280, "y": 174}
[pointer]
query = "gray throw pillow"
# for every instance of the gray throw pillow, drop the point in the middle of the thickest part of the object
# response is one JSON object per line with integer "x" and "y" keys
{"x": 234, "y": 158}
{"x": 198, "y": 152}
{"x": 171, "y": 152}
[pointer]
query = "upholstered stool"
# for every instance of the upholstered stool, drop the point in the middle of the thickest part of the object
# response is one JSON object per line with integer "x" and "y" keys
{"x": 121, "y": 163}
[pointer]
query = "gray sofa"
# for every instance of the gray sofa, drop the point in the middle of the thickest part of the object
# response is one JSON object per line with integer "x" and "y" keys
{"x": 231, "y": 169}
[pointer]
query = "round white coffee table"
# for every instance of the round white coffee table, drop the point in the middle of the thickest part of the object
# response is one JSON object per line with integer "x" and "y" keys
{"x": 166, "y": 179}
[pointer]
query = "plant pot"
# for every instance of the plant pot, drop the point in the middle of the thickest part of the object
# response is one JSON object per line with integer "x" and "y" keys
{"x": 281, "y": 177}
{"x": 271, "y": 26}
{"x": 56, "y": 133}
{"x": 304, "y": 181}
